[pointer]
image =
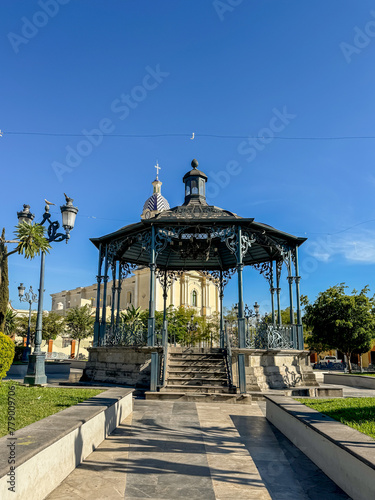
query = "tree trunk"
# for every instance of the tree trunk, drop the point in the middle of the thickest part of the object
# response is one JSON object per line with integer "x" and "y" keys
{"x": 4, "y": 283}
{"x": 348, "y": 356}
{"x": 79, "y": 343}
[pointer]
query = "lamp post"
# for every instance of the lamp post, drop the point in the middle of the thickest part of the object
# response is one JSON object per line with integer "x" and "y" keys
{"x": 31, "y": 298}
{"x": 249, "y": 313}
{"x": 36, "y": 368}
{"x": 191, "y": 327}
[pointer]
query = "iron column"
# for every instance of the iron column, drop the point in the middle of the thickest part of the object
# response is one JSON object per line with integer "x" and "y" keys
{"x": 97, "y": 312}
{"x": 241, "y": 319}
{"x": 151, "y": 315}
{"x": 36, "y": 370}
{"x": 104, "y": 307}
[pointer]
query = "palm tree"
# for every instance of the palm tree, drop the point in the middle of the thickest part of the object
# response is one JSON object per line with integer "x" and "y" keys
{"x": 132, "y": 316}
{"x": 31, "y": 241}
{"x": 80, "y": 322}
{"x": 10, "y": 322}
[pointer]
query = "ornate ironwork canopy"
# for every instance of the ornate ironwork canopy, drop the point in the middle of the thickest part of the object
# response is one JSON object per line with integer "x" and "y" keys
{"x": 195, "y": 237}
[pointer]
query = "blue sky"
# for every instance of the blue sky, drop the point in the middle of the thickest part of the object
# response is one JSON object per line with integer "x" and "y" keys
{"x": 226, "y": 68}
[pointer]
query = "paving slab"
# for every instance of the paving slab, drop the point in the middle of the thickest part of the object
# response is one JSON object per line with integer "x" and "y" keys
{"x": 174, "y": 449}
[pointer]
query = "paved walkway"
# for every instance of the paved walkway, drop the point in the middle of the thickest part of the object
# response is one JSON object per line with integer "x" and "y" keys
{"x": 176, "y": 450}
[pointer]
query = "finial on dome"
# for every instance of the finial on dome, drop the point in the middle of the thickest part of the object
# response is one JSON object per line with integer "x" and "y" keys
{"x": 194, "y": 163}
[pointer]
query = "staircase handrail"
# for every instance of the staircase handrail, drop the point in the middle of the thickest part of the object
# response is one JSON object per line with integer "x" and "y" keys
{"x": 228, "y": 357}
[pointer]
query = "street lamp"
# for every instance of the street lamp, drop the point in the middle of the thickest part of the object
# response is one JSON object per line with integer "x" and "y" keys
{"x": 31, "y": 298}
{"x": 191, "y": 327}
{"x": 36, "y": 368}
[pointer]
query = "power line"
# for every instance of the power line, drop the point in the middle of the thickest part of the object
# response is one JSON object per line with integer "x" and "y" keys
{"x": 197, "y": 135}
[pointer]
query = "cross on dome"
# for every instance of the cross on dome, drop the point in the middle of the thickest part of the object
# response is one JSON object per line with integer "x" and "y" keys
{"x": 157, "y": 170}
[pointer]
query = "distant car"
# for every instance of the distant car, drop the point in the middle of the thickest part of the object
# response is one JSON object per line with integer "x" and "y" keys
{"x": 330, "y": 359}
{"x": 330, "y": 363}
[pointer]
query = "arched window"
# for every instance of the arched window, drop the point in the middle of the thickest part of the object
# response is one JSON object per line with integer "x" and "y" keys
{"x": 194, "y": 298}
{"x": 194, "y": 187}
{"x": 129, "y": 298}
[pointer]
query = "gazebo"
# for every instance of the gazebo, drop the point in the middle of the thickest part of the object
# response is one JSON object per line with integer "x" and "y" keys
{"x": 200, "y": 237}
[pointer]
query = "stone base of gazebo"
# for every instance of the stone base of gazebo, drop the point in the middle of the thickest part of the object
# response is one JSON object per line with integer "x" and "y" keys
{"x": 265, "y": 369}
{"x": 274, "y": 369}
{"x": 129, "y": 366}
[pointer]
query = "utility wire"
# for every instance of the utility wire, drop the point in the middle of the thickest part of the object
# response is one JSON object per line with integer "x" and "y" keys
{"x": 214, "y": 136}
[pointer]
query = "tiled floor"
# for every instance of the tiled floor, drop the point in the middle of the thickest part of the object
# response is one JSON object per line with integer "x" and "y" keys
{"x": 172, "y": 450}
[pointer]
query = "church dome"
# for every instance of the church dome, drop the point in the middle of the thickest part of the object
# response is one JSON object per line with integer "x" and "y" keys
{"x": 156, "y": 202}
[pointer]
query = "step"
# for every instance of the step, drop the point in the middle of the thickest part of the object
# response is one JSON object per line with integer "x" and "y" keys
{"x": 196, "y": 362}
{"x": 195, "y": 350}
{"x": 195, "y": 388}
{"x": 195, "y": 369}
{"x": 200, "y": 397}
{"x": 196, "y": 381}
{"x": 197, "y": 358}
{"x": 194, "y": 375}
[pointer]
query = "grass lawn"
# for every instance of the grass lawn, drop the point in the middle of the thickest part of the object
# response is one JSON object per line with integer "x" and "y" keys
{"x": 34, "y": 403}
{"x": 364, "y": 374}
{"x": 358, "y": 413}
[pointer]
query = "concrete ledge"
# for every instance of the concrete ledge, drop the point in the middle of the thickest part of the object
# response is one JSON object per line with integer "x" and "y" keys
{"x": 199, "y": 397}
{"x": 51, "y": 369}
{"x": 350, "y": 380}
{"x": 345, "y": 455}
{"x": 315, "y": 392}
{"x": 47, "y": 451}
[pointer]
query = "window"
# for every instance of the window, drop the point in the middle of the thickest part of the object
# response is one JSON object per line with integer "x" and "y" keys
{"x": 129, "y": 298}
{"x": 194, "y": 187}
{"x": 66, "y": 342}
{"x": 194, "y": 298}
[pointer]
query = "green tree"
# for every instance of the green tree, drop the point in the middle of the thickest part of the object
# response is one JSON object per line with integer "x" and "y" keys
{"x": 22, "y": 325}
{"x": 53, "y": 325}
{"x": 30, "y": 239}
{"x": 10, "y": 322}
{"x": 80, "y": 321}
{"x": 341, "y": 321}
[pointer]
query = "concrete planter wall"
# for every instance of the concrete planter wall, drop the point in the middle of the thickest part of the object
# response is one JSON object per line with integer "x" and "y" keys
{"x": 47, "y": 451}
{"x": 274, "y": 369}
{"x": 350, "y": 380}
{"x": 345, "y": 455}
{"x": 120, "y": 365}
{"x": 51, "y": 369}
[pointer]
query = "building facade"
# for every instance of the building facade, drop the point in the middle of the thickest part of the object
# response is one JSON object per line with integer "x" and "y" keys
{"x": 191, "y": 289}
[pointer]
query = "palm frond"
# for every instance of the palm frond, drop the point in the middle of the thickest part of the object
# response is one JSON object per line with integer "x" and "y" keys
{"x": 31, "y": 239}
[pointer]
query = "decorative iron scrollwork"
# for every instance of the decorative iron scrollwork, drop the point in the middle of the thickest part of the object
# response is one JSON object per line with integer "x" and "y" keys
{"x": 279, "y": 266}
{"x": 126, "y": 268}
{"x": 220, "y": 278}
{"x": 266, "y": 270}
{"x": 166, "y": 278}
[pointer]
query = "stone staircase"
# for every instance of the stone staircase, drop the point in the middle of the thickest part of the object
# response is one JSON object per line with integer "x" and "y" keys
{"x": 196, "y": 370}
{"x": 197, "y": 374}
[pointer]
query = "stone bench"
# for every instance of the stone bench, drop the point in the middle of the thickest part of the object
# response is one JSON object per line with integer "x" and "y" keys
{"x": 344, "y": 454}
{"x": 47, "y": 451}
{"x": 360, "y": 381}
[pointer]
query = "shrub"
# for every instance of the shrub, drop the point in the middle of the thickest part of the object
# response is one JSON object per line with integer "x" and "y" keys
{"x": 6, "y": 354}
